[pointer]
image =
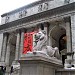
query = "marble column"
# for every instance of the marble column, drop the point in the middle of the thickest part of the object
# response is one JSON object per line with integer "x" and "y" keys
{"x": 49, "y": 37}
{"x": 5, "y": 36}
{"x": 21, "y": 42}
{"x": 73, "y": 36}
{"x": 69, "y": 50}
{"x": 8, "y": 58}
{"x": 17, "y": 45}
{"x": 68, "y": 34}
{"x": 7, "y": 53}
{"x": 1, "y": 44}
{"x": 46, "y": 31}
{"x": 49, "y": 40}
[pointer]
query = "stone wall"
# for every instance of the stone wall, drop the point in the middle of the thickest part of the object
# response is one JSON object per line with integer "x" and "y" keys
{"x": 1, "y": 39}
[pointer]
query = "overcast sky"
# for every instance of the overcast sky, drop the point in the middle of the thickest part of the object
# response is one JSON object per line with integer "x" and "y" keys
{"x": 9, "y": 5}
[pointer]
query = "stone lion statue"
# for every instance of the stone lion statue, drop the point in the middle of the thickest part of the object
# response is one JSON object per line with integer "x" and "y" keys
{"x": 41, "y": 45}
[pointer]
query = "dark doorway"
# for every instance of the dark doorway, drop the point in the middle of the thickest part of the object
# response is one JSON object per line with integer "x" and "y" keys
{"x": 63, "y": 47}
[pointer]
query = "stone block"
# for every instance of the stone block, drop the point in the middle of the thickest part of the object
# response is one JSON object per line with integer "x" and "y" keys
{"x": 39, "y": 65}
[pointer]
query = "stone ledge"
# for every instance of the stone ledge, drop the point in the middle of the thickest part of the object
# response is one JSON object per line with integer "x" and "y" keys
{"x": 39, "y": 57}
{"x": 65, "y": 70}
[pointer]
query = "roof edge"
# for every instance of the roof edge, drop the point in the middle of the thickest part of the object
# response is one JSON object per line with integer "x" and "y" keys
{"x": 24, "y": 7}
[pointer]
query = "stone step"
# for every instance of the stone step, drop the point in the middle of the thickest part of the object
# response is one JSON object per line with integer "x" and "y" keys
{"x": 68, "y": 71}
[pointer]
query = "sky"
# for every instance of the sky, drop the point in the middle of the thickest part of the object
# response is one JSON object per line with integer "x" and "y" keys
{"x": 9, "y": 5}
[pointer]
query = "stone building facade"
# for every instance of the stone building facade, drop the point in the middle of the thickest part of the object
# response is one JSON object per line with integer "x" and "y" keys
{"x": 57, "y": 18}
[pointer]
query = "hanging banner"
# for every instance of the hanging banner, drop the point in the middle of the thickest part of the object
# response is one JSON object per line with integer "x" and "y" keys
{"x": 28, "y": 42}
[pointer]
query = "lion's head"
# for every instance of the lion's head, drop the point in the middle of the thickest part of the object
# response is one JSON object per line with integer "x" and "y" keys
{"x": 40, "y": 35}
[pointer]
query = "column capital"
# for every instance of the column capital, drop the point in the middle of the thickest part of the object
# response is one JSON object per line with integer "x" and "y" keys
{"x": 18, "y": 30}
{"x": 6, "y": 33}
{"x": 46, "y": 23}
{"x": 67, "y": 19}
{"x": 22, "y": 29}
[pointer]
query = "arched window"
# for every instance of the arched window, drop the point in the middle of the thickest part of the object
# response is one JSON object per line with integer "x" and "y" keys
{"x": 59, "y": 39}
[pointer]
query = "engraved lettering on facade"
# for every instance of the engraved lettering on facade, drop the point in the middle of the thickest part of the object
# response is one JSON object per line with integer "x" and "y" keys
{"x": 40, "y": 7}
{"x": 7, "y": 19}
{"x": 45, "y": 6}
{"x": 22, "y": 13}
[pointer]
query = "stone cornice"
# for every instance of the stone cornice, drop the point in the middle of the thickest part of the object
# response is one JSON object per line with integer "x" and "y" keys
{"x": 36, "y": 22}
{"x": 53, "y": 7}
{"x": 63, "y": 11}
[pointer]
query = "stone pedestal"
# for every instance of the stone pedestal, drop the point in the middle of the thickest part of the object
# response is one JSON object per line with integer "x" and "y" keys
{"x": 38, "y": 64}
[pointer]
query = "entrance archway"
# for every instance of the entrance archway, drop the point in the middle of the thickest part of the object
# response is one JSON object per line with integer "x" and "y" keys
{"x": 59, "y": 39}
{"x": 56, "y": 33}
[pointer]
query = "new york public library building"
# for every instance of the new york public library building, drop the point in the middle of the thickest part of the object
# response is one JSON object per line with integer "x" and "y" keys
{"x": 39, "y": 39}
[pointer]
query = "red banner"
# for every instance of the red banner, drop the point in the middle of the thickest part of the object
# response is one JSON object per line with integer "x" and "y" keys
{"x": 28, "y": 42}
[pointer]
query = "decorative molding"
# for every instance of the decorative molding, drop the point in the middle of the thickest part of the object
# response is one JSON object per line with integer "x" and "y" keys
{"x": 41, "y": 7}
{"x": 36, "y": 22}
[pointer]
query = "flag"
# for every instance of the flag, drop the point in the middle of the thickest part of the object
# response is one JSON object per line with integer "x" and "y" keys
{"x": 28, "y": 42}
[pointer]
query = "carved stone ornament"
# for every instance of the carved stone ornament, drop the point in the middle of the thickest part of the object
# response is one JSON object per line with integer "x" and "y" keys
{"x": 41, "y": 46}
